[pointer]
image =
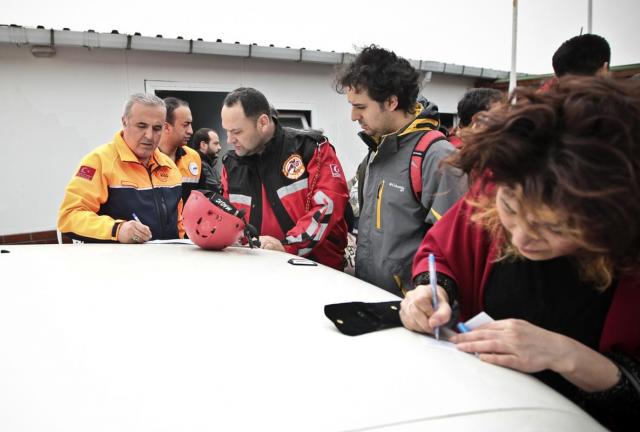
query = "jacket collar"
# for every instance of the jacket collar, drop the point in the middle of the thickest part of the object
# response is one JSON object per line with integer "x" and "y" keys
{"x": 126, "y": 155}
{"x": 422, "y": 122}
{"x": 427, "y": 118}
{"x": 179, "y": 153}
{"x": 272, "y": 145}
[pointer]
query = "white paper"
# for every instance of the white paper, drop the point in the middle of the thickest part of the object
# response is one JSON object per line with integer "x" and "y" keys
{"x": 445, "y": 334}
{"x": 430, "y": 340}
{"x": 479, "y": 320}
{"x": 171, "y": 241}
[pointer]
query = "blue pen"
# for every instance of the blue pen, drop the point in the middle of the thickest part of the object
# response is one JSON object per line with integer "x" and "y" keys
{"x": 434, "y": 288}
{"x": 462, "y": 328}
{"x": 135, "y": 216}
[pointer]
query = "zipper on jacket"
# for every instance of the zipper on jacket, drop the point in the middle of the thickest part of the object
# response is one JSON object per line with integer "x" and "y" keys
{"x": 379, "y": 205}
{"x": 159, "y": 209}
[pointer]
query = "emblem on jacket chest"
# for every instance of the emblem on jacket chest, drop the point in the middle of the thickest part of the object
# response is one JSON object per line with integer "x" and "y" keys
{"x": 293, "y": 167}
{"x": 162, "y": 173}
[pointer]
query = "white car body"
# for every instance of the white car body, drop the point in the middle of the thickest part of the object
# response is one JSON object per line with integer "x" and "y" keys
{"x": 172, "y": 337}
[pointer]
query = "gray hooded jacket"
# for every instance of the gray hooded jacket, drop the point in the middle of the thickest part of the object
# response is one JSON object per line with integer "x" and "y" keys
{"x": 392, "y": 221}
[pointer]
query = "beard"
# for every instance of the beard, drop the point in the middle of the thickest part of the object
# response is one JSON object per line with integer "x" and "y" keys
{"x": 210, "y": 153}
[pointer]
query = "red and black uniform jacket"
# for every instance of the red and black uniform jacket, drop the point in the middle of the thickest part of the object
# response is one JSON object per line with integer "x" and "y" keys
{"x": 295, "y": 191}
{"x": 466, "y": 253}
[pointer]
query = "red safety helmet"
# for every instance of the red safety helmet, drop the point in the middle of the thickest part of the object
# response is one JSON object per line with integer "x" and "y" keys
{"x": 212, "y": 222}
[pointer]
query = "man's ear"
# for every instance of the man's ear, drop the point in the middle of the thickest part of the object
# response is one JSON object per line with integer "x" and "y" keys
{"x": 124, "y": 121}
{"x": 166, "y": 127}
{"x": 203, "y": 146}
{"x": 263, "y": 121}
{"x": 603, "y": 70}
{"x": 391, "y": 103}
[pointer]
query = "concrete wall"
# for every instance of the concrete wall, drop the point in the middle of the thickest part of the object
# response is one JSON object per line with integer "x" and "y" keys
{"x": 55, "y": 110}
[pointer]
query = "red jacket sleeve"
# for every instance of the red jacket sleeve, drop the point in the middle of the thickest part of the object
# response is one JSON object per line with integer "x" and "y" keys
{"x": 327, "y": 198}
{"x": 621, "y": 331}
{"x": 463, "y": 251}
{"x": 240, "y": 202}
{"x": 224, "y": 182}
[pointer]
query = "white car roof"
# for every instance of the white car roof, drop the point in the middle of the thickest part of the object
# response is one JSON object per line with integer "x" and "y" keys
{"x": 173, "y": 337}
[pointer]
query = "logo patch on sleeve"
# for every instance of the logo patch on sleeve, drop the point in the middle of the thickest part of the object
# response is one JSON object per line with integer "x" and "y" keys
{"x": 86, "y": 172}
{"x": 293, "y": 167}
{"x": 335, "y": 170}
{"x": 193, "y": 168}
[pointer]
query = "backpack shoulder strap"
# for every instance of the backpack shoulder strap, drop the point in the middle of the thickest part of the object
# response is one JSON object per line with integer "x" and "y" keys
{"x": 417, "y": 156}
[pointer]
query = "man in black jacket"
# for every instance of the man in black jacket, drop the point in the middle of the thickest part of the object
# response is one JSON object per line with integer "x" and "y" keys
{"x": 207, "y": 143}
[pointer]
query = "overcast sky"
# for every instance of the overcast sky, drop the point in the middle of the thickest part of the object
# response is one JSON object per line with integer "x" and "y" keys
{"x": 469, "y": 32}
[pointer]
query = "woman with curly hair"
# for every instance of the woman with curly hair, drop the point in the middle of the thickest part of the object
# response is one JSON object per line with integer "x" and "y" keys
{"x": 547, "y": 242}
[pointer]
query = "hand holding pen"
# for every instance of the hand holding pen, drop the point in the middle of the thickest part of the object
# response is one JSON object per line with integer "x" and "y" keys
{"x": 419, "y": 312}
{"x": 134, "y": 231}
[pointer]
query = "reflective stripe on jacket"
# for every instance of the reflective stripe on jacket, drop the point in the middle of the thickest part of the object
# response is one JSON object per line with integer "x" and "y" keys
{"x": 189, "y": 163}
{"x": 111, "y": 185}
{"x": 306, "y": 188}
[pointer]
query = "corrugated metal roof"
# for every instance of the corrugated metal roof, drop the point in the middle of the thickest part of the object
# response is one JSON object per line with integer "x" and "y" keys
{"x": 619, "y": 71}
{"x": 39, "y": 36}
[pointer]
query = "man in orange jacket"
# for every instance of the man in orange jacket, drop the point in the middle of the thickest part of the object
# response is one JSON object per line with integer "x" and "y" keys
{"x": 176, "y": 133}
{"x": 126, "y": 191}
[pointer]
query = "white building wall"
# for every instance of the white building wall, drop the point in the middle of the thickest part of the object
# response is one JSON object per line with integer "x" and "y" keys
{"x": 55, "y": 110}
{"x": 446, "y": 91}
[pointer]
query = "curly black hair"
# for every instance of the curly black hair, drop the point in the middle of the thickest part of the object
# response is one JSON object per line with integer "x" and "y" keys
{"x": 474, "y": 101}
{"x": 382, "y": 74}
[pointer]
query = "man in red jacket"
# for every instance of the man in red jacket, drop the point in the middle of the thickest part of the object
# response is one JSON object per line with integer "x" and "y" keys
{"x": 288, "y": 181}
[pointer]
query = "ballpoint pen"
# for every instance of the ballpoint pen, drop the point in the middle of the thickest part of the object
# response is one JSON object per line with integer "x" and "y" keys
{"x": 434, "y": 289}
{"x": 462, "y": 328}
{"x": 137, "y": 219}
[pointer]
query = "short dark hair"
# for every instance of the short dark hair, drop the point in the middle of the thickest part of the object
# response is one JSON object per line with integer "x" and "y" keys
{"x": 201, "y": 134}
{"x": 173, "y": 104}
{"x": 474, "y": 101}
{"x": 253, "y": 102}
{"x": 581, "y": 55}
{"x": 382, "y": 74}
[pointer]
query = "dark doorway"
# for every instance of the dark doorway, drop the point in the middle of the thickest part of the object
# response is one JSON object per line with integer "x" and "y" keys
{"x": 205, "y": 109}
{"x": 206, "y": 106}
{"x": 295, "y": 118}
